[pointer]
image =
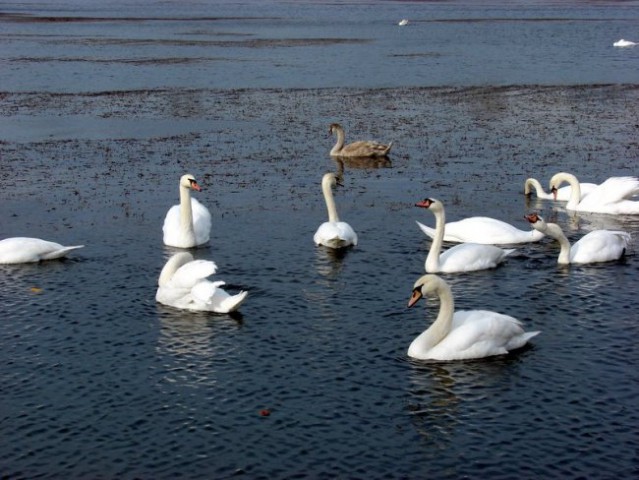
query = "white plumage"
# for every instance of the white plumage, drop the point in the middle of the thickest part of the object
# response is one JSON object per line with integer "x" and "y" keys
{"x": 334, "y": 233}
{"x": 31, "y": 250}
{"x": 594, "y": 247}
{"x": 183, "y": 284}
{"x": 463, "y": 334}
{"x": 612, "y": 196}
{"x": 466, "y": 257}
{"x": 188, "y": 224}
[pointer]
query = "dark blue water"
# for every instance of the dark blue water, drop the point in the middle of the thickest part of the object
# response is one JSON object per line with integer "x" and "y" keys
{"x": 99, "y": 381}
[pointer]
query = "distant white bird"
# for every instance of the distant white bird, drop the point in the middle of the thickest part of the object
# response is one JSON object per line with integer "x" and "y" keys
{"x": 403, "y": 22}
{"x": 31, "y": 250}
{"x": 624, "y": 43}
{"x": 183, "y": 284}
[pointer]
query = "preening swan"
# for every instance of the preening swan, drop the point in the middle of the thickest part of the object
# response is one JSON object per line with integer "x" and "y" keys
{"x": 465, "y": 257}
{"x": 31, "y": 250}
{"x": 612, "y": 196}
{"x": 362, "y": 148}
{"x": 484, "y": 230}
{"x": 562, "y": 194}
{"x": 333, "y": 234}
{"x": 188, "y": 224}
{"x": 463, "y": 334}
{"x": 183, "y": 284}
{"x": 596, "y": 246}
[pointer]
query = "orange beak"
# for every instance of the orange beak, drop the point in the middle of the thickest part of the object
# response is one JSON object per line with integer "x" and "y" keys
{"x": 414, "y": 298}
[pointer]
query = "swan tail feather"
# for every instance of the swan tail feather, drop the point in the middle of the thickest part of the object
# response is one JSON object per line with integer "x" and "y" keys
{"x": 60, "y": 252}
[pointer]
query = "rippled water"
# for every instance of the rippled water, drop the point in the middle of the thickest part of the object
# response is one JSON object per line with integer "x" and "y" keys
{"x": 101, "y": 382}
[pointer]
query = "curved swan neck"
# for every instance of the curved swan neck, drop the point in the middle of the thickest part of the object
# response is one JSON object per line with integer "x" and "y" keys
{"x": 533, "y": 183}
{"x": 432, "y": 259}
{"x": 327, "y": 189}
{"x": 575, "y": 187}
{"x": 340, "y": 139}
{"x": 186, "y": 213}
{"x": 553, "y": 230}
{"x": 441, "y": 326}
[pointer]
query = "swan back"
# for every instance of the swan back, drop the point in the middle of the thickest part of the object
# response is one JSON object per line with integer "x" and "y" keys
{"x": 31, "y": 250}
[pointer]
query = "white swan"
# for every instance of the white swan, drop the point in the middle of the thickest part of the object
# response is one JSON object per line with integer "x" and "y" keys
{"x": 562, "y": 194}
{"x": 465, "y": 257}
{"x": 624, "y": 43}
{"x": 183, "y": 284}
{"x": 362, "y": 148}
{"x": 612, "y": 196}
{"x": 463, "y": 334}
{"x": 31, "y": 250}
{"x": 333, "y": 234}
{"x": 596, "y": 246}
{"x": 484, "y": 230}
{"x": 188, "y": 224}
{"x": 403, "y": 22}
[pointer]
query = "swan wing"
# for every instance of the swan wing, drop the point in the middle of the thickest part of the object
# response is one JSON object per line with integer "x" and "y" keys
{"x": 211, "y": 297}
{"x": 365, "y": 148}
{"x": 468, "y": 257}
{"x": 613, "y": 190}
{"x": 29, "y": 250}
{"x": 600, "y": 246}
{"x": 481, "y": 333}
{"x": 484, "y": 230}
{"x": 191, "y": 273}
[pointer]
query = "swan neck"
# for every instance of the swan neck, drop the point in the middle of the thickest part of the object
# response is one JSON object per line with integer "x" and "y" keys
{"x": 330, "y": 202}
{"x": 440, "y": 328}
{"x": 186, "y": 213}
{"x": 575, "y": 190}
{"x": 533, "y": 183}
{"x": 340, "y": 141}
{"x": 432, "y": 260}
{"x": 564, "y": 244}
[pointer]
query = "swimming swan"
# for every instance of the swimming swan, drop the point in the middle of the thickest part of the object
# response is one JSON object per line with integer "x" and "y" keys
{"x": 484, "y": 230}
{"x": 333, "y": 234}
{"x": 562, "y": 194}
{"x": 362, "y": 148}
{"x": 596, "y": 246}
{"x": 183, "y": 284}
{"x": 465, "y": 257}
{"x": 463, "y": 334}
{"x": 188, "y": 224}
{"x": 31, "y": 250}
{"x": 612, "y": 196}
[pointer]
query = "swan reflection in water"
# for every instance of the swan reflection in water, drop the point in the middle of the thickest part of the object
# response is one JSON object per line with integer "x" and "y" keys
{"x": 361, "y": 163}
{"x": 443, "y": 395}
{"x": 190, "y": 343}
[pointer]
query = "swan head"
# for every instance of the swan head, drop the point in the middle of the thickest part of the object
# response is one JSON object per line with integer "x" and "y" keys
{"x": 431, "y": 204}
{"x": 332, "y": 180}
{"x": 559, "y": 178}
{"x": 188, "y": 181}
{"x": 425, "y": 285}
{"x": 537, "y": 222}
{"x": 334, "y": 128}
